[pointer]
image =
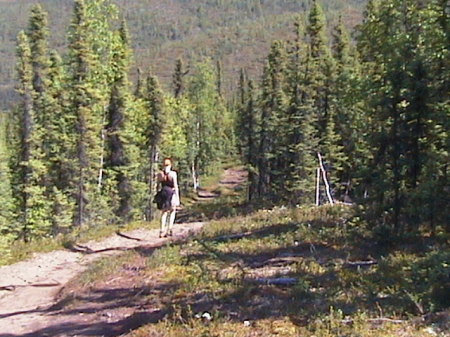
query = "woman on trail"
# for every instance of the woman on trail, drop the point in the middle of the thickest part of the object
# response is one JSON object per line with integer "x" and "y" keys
{"x": 169, "y": 187}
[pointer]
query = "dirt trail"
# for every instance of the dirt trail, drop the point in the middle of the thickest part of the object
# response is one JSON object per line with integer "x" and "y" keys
{"x": 28, "y": 288}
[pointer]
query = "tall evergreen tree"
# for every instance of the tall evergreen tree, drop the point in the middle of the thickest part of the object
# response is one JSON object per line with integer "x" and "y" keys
{"x": 38, "y": 37}
{"x": 156, "y": 123}
{"x": 83, "y": 104}
{"x": 178, "y": 78}
{"x": 219, "y": 76}
{"x": 32, "y": 206}
{"x": 321, "y": 79}
{"x": 405, "y": 142}
{"x": 140, "y": 86}
{"x": 273, "y": 107}
{"x": 58, "y": 145}
{"x": 48, "y": 112}
{"x": 241, "y": 106}
{"x": 90, "y": 53}
{"x": 116, "y": 157}
{"x": 6, "y": 198}
{"x": 300, "y": 129}
{"x": 250, "y": 130}
{"x": 209, "y": 125}
{"x": 349, "y": 108}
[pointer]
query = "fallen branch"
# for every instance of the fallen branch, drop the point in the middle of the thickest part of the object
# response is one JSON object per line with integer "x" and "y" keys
{"x": 324, "y": 175}
{"x": 379, "y": 320}
{"x": 357, "y": 264}
{"x": 282, "y": 281}
{"x": 276, "y": 262}
{"x": 127, "y": 237}
{"x": 8, "y": 288}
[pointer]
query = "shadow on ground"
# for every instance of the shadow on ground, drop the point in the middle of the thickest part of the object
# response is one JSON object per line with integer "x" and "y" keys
{"x": 118, "y": 309}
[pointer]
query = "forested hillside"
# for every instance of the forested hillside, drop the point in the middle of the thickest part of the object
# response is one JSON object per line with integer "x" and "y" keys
{"x": 236, "y": 32}
{"x": 314, "y": 102}
{"x": 324, "y": 119}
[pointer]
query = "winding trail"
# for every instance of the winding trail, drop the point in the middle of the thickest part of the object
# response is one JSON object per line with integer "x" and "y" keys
{"x": 28, "y": 288}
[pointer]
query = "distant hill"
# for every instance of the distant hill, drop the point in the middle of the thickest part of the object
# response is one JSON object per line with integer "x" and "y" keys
{"x": 238, "y": 32}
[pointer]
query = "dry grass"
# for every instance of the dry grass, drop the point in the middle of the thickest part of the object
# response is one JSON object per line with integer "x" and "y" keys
{"x": 230, "y": 272}
{"x": 220, "y": 273}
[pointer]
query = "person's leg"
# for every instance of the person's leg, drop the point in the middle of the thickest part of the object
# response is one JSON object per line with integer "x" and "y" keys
{"x": 171, "y": 221}
{"x": 162, "y": 229}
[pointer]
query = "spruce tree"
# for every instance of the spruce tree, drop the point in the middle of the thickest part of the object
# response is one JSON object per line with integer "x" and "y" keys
{"x": 249, "y": 126}
{"x": 320, "y": 65}
{"x": 83, "y": 104}
{"x": 210, "y": 124}
{"x": 241, "y": 108}
{"x": 300, "y": 129}
{"x": 408, "y": 161}
{"x": 321, "y": 78}
{"x": 219, "y": 76}
{"x": 38, "y": 35}
{"x": 264, "y": 137}
{"x": 178, "y": 78}
{"x": 6, "y": 198}
{"x": 58, "y": 143}
{"x": 140, "y": 86}
{"x": 348, "y": 119}
{"x": 91, "y": 45}
{"x": 155, "y": 127}
{"x": 272, "y": 164}
{"x": 33, "y": 210}
{"x": 116, "y": 156}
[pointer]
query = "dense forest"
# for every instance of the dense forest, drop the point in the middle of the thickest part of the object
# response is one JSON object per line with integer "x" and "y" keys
{"x": 237, "y": 32}
{"x": 82, "y": 142}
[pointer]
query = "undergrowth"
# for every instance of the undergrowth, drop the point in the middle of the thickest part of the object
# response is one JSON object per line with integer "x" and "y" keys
{"x": 16, "y": 251}
{"x": 12, "y": 251}
{"x": 338, "y": 281}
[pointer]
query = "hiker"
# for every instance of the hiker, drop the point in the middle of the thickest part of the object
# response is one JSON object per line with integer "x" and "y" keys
{"x": 170, "y": 197}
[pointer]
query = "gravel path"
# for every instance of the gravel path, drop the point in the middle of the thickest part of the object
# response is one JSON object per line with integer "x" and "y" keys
{"x": 28, "y": 288}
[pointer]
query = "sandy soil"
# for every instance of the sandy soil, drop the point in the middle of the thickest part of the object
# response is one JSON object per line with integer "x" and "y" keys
{"x": 28, "y": 288}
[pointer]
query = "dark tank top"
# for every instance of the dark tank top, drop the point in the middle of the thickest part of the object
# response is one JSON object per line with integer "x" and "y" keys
{"x": 167, "y": 181}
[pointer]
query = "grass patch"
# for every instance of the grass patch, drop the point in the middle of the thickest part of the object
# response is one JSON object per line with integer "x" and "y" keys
{"x": 19, "y": 251}
{"x": 338, "y": 281}
{"x": 222, "y": 272}
{"x": 15, "y": 251}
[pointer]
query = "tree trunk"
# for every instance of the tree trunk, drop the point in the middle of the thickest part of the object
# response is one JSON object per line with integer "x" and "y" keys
{"x": 152, "y": 184}
{"x": 195, "y": 179}
{"x": 102, "y": 161}
{"x": 26, "y": 155}
{"x": 324, "y": 175}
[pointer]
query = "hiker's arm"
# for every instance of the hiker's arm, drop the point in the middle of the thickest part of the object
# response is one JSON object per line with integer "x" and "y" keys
{"x": 175, "y": 184}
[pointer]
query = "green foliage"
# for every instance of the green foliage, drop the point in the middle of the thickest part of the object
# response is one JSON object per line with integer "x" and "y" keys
{"x": 117, "y": 159}
{"x": 220, "y": 272}
{"x": 407, "y": 115}
{"x": 33, "y": 209}
{"x": 209, "y": 122}
{"x": 6, "y": 215}
{"x": 238, "y": 32}
{"x": 83, "y": 150}
{"x": 298, "y": 115}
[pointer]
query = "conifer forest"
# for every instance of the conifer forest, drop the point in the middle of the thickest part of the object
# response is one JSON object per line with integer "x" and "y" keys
{"x": 354, "y": 94}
